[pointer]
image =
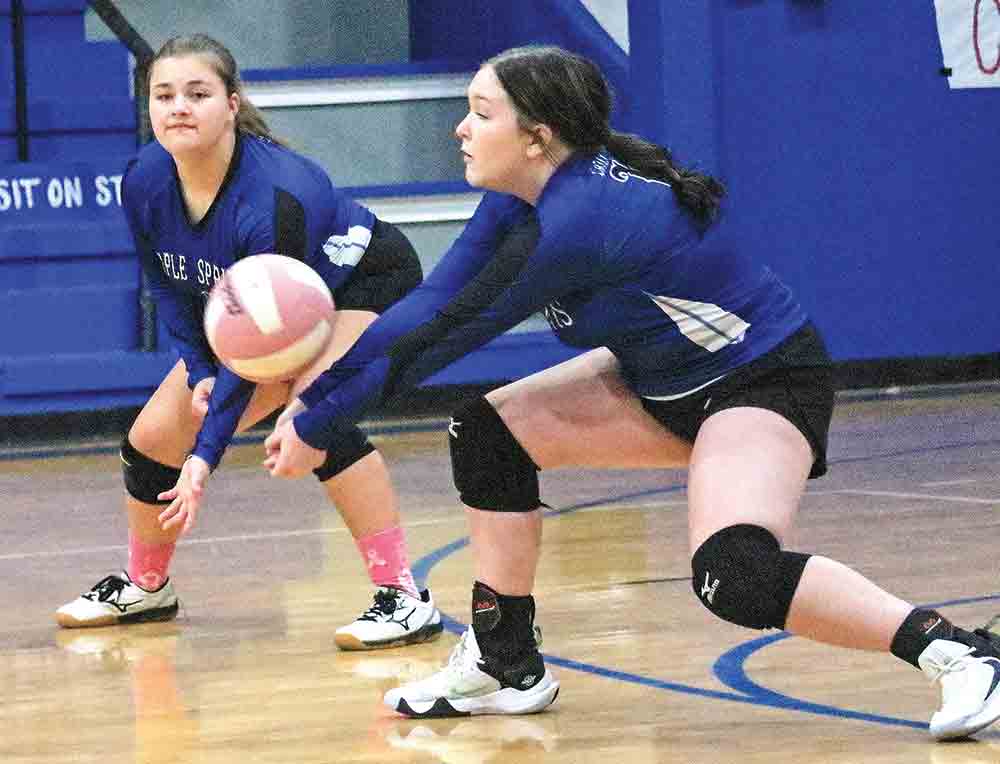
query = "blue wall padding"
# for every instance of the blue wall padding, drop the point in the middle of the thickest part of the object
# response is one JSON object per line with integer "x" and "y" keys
{"x": 474, "y": 30}
{"x": 98, "y": 114}
{"x": 67, "y": 269}
{"x": 68, "y": 272}
{"x": 55, "y": 68}
{"x": 74, "y": 87}
{"x": 82, "y": 319}
{"x": 6, "y": 64}
{"x": 48, "y": 147}
{"x": 79, "y": 382}
{"x": 55, "y": 7}
{"x": 57, "y": 27}
{"x": 853, "y": 169}
{"x": 8, "y": 121}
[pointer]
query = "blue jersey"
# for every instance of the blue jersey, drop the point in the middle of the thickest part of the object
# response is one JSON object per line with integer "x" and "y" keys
{"x": 271, "y": 201}
{"x": 609, "y": 257}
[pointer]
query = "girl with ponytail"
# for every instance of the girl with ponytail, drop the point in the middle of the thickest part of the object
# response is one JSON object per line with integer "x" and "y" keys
{"x": 695, "y": 357}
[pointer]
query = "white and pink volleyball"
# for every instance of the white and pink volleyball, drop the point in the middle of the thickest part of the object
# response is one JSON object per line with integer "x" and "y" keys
{"x": 269, "y": 317}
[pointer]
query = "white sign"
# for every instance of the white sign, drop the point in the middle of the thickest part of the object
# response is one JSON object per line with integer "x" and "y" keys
{"x": 57, "y": 192}
{"x": 970, "y": 41}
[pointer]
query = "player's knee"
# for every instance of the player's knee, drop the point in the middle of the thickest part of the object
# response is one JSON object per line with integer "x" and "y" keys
{"x": 490, "y": 468}
{"x": 347, "y": 451}
{"x": 145, "y": 478}
{"x": 741, "y": 574}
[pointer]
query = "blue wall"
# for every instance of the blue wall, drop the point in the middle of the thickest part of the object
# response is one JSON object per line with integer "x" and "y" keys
{"x": 853, "y": 169}
{"x": 67, "y": 272}
{"x": 474, "y": 30}
{"x": 79, "y": 100}
{"x": 69, "y": 287}
{"x": 8, "y": 141}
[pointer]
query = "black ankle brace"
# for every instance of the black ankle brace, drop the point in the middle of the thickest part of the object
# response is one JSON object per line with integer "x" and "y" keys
{"x": 504, "y": 625}
{"x": 920, "y": 628}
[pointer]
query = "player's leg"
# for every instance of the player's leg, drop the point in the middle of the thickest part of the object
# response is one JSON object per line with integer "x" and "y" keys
{"x": 355, "y": 476}
{"x": 356, "y": 480}
{"x": 748, "y": 471}
{"x": 151, "y": 456}
{"x": 747, "y": 474}
{"x": 577, "y": 413}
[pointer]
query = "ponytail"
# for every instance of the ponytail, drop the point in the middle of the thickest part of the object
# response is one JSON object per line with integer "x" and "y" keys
{"x": 250, "y": 120}
{"x": 698, "y": 193}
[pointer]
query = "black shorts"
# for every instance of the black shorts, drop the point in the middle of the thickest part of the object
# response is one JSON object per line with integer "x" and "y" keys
{"x": 387, "y": 272}
{"x": 795, "y": 380}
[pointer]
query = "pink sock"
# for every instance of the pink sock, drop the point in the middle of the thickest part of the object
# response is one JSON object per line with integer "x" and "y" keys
{"x": 148, "y": 563}
{"x": 385, "y": 555}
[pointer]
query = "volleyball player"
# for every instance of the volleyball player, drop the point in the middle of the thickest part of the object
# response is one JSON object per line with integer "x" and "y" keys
{"x": 216, "y": 186}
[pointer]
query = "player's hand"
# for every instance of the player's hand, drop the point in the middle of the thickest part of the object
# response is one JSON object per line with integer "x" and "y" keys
{"x": 185, "y": 496}
{"x": 200, "y": 395}
{"x": 289, "y": 456}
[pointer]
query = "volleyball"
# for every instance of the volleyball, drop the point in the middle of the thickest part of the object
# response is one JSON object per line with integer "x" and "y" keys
{"x": 268, "y": 317}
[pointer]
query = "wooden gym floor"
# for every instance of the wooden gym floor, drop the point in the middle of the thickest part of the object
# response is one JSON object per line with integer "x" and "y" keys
{"x": 249, "y": 672}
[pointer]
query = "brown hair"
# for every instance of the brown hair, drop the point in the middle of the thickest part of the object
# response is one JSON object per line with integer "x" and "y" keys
{"x": 552, "y": 86}
{"x": 249, "y": 118}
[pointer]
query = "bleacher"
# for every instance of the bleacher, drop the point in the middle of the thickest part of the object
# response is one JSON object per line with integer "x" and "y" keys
{"x": 853, "y": 170}
{"x": 378, "y": 115}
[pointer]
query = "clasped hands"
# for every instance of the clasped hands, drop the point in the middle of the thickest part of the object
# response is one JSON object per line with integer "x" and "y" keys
{"x": 288, "y": 456}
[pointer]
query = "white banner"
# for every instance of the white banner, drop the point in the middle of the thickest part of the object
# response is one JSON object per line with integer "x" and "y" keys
{"x": 970, "y": 41}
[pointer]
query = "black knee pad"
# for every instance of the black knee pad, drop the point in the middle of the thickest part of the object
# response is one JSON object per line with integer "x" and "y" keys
{"x": 350, "y": 448}
{"x": 146, "y": 479}
{"x": 741, "y": 575}
{"x": 490, "y": 468}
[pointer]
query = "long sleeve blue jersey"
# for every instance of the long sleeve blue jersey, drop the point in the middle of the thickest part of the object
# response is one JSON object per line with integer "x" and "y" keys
{"x": 271, "y": 201}
{"x": 609, "y": 257}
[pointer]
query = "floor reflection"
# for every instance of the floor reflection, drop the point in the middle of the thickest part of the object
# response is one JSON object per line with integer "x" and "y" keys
{"x": 166, "y": 730}
{"x": 966, "y": 752}
{"x": 477, "y": 740}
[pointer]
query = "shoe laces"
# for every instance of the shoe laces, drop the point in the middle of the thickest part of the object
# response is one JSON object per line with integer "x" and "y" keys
{"x": 385, "y": 604}
{"x": 951, "y": 665}
{"x": 106, "y": 588}
{"x": 462, "y": 659}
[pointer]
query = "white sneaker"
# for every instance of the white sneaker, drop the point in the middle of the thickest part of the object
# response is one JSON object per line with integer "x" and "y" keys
{"x": 395, "y": 618}
{"x": 467, "y": 685}
{"x": 970, "y": 688}
{"x": 115, "y": 599}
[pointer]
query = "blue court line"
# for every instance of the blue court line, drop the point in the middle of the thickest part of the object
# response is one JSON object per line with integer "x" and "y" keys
{"x": 730, "y": 666}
